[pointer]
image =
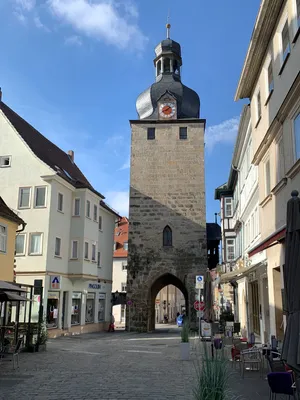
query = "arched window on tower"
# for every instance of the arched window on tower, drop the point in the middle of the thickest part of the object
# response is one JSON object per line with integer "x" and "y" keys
{"x": 159, "y": 67}
{"x": 176, "y": 69}
{"x": 167, "y": 67}
{"x": 167, "y": 237}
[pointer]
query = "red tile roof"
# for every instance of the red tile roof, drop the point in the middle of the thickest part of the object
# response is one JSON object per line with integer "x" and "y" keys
{"x": 121, "y": 236}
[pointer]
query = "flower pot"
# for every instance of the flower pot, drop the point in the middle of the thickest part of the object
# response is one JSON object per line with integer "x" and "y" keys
{"x": 185, "y": 351}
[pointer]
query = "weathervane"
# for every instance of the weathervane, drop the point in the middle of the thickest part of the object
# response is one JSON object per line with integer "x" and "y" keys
{"x": 168, "y": 26}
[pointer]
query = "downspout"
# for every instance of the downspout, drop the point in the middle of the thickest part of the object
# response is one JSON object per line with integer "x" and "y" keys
{"x": 23, "y": 227}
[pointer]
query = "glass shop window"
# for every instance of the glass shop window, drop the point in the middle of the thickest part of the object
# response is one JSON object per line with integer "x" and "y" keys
{"x": 101, "y": 308}
{"x": 76, "y": 308}
{"x": 52, "y": 309}
{"x": 90, "y": 308}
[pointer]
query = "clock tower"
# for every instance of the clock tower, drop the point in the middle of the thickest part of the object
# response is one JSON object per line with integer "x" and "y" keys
{"x": 167, "y": 224}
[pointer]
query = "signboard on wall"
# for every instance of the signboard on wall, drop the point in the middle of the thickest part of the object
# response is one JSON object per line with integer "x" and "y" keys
{"x": 94, "y": 286}
{"x": 55, "y": 282}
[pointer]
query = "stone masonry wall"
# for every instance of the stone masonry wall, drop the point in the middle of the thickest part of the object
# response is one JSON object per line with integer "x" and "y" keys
{"x": 166, "y": 188}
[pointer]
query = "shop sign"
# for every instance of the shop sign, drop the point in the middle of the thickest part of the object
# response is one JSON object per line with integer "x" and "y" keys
{"x": 90, "y": 296}
{"x": 55, "y": 282}
{"x": 94, "y": 286}
{"x": 53, "y": 295}
{"x": 102, "y": 296}
{"x": 76, "y": 295}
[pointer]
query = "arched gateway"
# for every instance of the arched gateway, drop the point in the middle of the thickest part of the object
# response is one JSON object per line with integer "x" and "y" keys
{"x": 167, "y": 227}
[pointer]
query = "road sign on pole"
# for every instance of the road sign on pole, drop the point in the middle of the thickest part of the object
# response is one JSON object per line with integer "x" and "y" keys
{"x": 199, "y": 282}
{"x": 197, "y": 305}
{"x": 129, "y": 303}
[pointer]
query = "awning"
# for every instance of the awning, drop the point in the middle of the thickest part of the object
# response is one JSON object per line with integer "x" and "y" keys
{"x": 10, "y": 287}
{"x": 9, "y": 296}
{"x": 271, "y": 240}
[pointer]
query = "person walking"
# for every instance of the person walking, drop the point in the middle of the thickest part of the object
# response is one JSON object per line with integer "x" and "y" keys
{"x": 111, "y": 327}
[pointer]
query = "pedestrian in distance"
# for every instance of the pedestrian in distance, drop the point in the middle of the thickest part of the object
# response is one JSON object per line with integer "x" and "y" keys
{"x": 111, "y": 327}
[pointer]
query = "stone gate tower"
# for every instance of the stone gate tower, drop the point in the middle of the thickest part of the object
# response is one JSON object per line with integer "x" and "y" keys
{"x": 167, "y": 231}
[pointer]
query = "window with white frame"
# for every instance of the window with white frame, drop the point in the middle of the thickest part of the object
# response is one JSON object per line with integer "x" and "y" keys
{"x": 297, "y": 136}
{"x": 285, "y": 41}
{"x": 57, "y": 247}
{"x": 95, "y": 213}
{"x": 267, "y": 178}
{"x": 124, "y": 265}
{"x": 60, "y": 202}
{"x": 280, "y": 172}
{"x": 86, "y": 250}
{"x": 100, "y": 223}
{"x": 230, "y": 249}
{"x": 20, "y": 244}
{"x": 3, "y": 238}
{"x": 76, "y": 211}
{"x": 74, "y": 249}
{"x": 35, "y": 244}
{"x": 93, "y": 252}
{"x": 270, "y": 77}
{"x": 258, "y": 106}
{"x": 88, "y": 209}
{"x": 99, "y": 259}
{"x": 5, "y": 161}
{"x": 40, "y": 197}
{"x": 228, "y": 207}
{"x": 24, "y": 197}
{"x": 123, "y": 287}
{"x": 252, "y": 227}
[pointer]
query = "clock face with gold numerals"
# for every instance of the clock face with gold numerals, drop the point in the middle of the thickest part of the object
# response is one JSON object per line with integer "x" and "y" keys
{"x": 167, "y": 110}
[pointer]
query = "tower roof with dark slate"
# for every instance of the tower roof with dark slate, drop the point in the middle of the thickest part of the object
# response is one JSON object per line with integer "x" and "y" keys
{"x": 168, "y": 63}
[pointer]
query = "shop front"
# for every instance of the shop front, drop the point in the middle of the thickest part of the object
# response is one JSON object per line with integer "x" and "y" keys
{"x": 76, "y": 306}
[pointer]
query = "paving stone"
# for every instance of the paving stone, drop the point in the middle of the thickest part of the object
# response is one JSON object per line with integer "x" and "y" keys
{"x": 113, "y": 366}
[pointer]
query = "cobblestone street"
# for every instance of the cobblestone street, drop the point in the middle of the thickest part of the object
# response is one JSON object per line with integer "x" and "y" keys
{"x": 112, "y": 366}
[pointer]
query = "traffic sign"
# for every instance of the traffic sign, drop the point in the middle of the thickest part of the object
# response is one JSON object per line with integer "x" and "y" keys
{"x": 199, "y": 305}
{"x": 129, "y": 303}
{"x": 199, "y": 282}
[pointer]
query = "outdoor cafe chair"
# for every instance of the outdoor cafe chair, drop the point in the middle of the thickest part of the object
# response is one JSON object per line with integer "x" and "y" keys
{"x": 280, "y": 383}
{"x": 252, "y": 358}
{"x": 12, "y": 354}
{"x": 275, "y": 362}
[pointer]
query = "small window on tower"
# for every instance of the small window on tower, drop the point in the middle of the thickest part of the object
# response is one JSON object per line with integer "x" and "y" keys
{"x": 159, "y": 67}
{"x": 151, "y": 133}
{"x": 167, "y": 66}
{"x": 183, "y": 133}
{"x": 167, "y": 237}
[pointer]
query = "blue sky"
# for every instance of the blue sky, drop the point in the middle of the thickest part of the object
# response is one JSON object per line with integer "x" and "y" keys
{"x": 74, "y": 68}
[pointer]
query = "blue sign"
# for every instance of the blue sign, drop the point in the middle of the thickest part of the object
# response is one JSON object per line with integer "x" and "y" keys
{"x": 199, "y": 278}
{"x": 94, "y": 286}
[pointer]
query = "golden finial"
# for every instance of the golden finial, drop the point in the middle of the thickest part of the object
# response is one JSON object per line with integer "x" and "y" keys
{"x": 168, "y": 26}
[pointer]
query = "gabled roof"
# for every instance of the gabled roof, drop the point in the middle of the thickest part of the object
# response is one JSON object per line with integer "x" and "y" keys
{"x": 121, "y": 236}
{"x": 47, "y": 151}
{"x": 8, "y": 214}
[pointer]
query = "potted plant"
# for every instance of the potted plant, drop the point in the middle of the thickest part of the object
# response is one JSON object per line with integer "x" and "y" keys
{"x": 185, "y": 341}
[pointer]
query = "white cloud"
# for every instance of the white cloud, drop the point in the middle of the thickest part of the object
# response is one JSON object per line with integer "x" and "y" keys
{"x": 126, "y": 165}
{"x": 105, "y": 20}
{"x": 119, "y": 201}
{"x": 26, "y": 5}
{"x": 38, "y": 23}
{"x": 73, "y": 40}
{"x": 225, "y": 132}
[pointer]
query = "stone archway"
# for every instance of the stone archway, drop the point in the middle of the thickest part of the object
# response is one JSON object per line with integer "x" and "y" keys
{"x": 162, "y": 281}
